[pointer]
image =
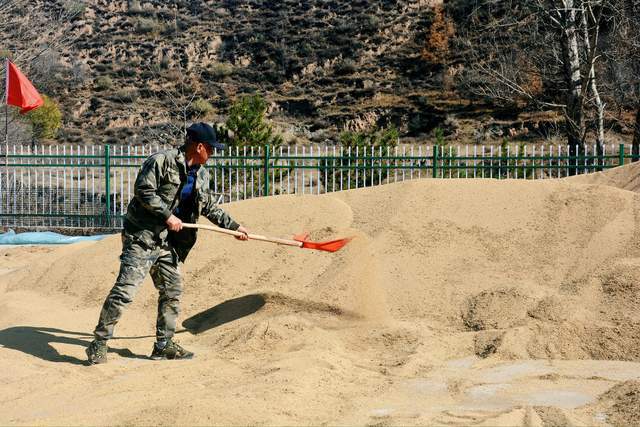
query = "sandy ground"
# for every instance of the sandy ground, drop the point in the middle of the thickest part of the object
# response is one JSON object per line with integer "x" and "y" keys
{"x": 458, "y": 302}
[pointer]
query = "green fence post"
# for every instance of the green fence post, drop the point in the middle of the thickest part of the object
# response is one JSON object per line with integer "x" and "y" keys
{"x": 621, "y": 154}
{"x": 266, "y": 169}
{"x": 435, "y": 161}
{"x": 107, "y": 181}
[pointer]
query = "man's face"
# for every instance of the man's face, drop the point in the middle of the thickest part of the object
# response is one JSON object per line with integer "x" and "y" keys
{"x": 202, "y": 153}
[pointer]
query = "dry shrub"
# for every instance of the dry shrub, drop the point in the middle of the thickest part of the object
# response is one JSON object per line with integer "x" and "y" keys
{"x": 530, "y": 79}
{"x": 363, "y": 122}
{"x": 436, "y": 49}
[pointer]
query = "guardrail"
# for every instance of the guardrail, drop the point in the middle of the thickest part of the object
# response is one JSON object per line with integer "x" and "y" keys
{"x": 90, "y": 186}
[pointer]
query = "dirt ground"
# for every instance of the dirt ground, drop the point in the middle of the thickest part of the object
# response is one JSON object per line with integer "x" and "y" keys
{"x": 470, "y": 302}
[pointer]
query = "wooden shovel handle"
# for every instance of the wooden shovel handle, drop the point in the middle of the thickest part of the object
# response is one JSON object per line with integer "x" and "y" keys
{"x": 237, "y": 234}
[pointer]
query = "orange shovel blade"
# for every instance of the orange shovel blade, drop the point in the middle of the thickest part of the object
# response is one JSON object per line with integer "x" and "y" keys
{"x": 330, "y": 246}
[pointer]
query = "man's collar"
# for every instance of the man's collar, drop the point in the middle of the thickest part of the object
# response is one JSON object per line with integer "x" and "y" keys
{"x": 181, "y": 160}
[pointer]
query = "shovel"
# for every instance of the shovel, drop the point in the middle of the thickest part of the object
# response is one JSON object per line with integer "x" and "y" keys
{"x": 299, "y": 241}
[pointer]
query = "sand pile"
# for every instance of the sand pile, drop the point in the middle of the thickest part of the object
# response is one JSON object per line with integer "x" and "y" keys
{"x": 626, "y": 177}
{"x": 621, "y": 404}
{"x": 444, "y": 280}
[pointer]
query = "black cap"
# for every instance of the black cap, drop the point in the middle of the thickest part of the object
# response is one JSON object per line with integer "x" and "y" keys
{"x": 203, "y": 132}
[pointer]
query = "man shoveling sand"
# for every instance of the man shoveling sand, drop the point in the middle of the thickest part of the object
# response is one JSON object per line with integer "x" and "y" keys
{"x": 170, "y": 188}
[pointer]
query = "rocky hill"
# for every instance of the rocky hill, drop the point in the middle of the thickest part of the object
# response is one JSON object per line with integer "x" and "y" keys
{"x": 136, "y": 71}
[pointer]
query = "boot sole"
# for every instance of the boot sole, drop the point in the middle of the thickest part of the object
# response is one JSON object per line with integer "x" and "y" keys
{"x": 175, "y": 358}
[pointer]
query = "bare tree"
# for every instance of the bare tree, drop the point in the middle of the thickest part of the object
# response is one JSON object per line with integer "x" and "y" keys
{"x": 182, "y": 101}
{"x": 33, "y": 37}
{"x": 624, "y": 63}
{"x": 570, "y": 18}
{"x": 29, "y": 33}
{"x": 591, "y": 33}
{"x": 550, "y": 44}
{"x": 563, "y": 15}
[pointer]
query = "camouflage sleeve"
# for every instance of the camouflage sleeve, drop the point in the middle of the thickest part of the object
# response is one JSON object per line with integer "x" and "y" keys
{"x": 216, "y": 214}
{"x": 146, "y": 187}
{"x": 210, "y": 210}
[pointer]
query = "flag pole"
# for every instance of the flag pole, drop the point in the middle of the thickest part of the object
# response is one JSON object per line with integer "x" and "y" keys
{"x": 6, "y": 115}
{"x": 4, "y": 186}
{"x": 6, "y": 122}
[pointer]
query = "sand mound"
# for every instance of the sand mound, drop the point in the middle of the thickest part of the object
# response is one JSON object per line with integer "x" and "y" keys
{"x": 496, "y": 309}
{"x": 441, "y": 273}
{"x": 549, "y": 309}
{"x": 625, "y": 177}
{"x": 621, "y": 404}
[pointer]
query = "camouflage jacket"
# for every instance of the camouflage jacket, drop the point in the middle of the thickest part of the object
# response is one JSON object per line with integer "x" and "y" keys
{"x": 157, "y": 194}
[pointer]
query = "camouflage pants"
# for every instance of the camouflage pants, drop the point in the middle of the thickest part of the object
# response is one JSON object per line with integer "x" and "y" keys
{"x": 136, "y": 261}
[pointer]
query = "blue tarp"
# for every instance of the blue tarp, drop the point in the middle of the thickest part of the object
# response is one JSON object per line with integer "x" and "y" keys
{"x": 43, "y": 238}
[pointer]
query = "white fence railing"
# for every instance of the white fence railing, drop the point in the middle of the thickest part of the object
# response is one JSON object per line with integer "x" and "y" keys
{"x": 90, "y": 186}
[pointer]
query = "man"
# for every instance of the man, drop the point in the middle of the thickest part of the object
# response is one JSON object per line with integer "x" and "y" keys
{"x": 171, "y": 187}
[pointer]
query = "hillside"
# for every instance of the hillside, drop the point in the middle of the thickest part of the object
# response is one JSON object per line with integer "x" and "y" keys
{"x": 135, "y": 71}
{"x": 319, "y": 64}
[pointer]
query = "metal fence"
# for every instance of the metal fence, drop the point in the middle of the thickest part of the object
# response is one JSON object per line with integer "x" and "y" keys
{"x": 90, "y": 186}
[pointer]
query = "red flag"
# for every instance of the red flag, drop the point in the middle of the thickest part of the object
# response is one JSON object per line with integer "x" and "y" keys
{"x": 20, "y": 91}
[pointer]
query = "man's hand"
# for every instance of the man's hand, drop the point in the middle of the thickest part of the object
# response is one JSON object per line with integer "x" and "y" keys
{"x": 174, "y": 223}
{"x": 245, "y": 235}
